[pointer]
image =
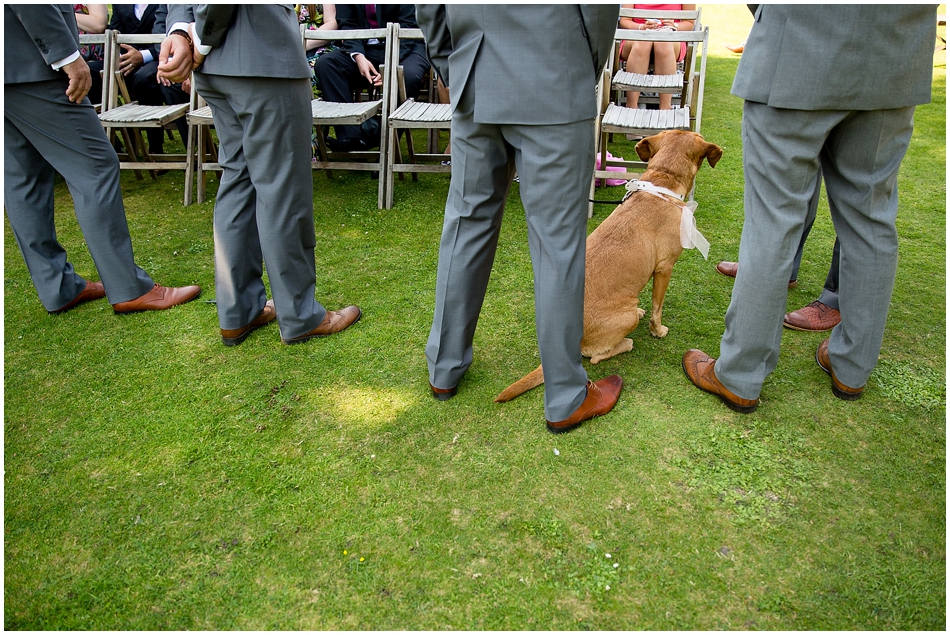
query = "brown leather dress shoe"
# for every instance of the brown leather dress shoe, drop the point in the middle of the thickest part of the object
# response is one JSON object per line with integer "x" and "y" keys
{"x": 815, "y": 317}
{"x": 701, "y": 370}
{"x": 601, "y": 397}
{"x": 443, "y": 394}
{"x": 730, "y": 269}
{"x": 840, "y": 390}
{"x": 92, "y": 291}
{"x": 159, "y": 299}
{"x": 334, "y": 322}
{"x": 233, "y": 337}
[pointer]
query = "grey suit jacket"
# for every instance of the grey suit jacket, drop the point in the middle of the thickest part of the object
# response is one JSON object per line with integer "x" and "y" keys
{"x": 248, "y": 40}
{"x": 35, "y": 36}
{"x": 838, "y": 57}
{"x": 528, "y": 64}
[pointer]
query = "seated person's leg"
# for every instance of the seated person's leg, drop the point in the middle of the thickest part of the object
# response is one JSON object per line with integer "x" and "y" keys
{"x": 175, "y": 95}
{"x": 414, "y": 71}
{"x": 664, "y": 63}
{"x": 95, "y": 69}
{"x": 334, "y": 71}
{"x": 145, "y": 89}
{"x": 638, "y": 61}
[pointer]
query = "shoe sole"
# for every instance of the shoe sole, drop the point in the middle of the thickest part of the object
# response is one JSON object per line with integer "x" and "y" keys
{"x": 165, "y": 309}
{"x": 445, "y": 396}
{"x": 732, "y": 406}
{"x": 804, "y": 330}
{"x": 840, "y": 394}
{"x": 301, "y": 340}
{"x": 234, "y": 341}
{"x": 554, "y": 430}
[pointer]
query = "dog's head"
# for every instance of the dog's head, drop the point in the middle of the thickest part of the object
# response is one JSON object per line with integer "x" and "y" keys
{"x": 677, "y": 155}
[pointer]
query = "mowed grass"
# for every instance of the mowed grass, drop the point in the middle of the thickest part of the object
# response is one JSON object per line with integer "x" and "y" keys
{"x": 154, "y": 479}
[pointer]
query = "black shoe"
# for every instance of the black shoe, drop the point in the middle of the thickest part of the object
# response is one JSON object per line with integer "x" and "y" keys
{"x": 347, "y": 144}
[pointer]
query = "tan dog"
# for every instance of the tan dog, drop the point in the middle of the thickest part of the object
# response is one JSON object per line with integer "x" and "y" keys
{"x": 638, "y": 241}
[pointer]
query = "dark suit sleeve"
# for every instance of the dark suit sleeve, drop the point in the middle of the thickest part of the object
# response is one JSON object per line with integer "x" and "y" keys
{"x": 600, "y": 23}
{"x": 437, "y": 37}
{"x": 347, "y": 19}
{"x": 407, "y": 16}
{"x": 212, "y": 22}
{"x": 179, "y": 13}
{"x": 159, "y": 26}
{"x": 49, "y": 30}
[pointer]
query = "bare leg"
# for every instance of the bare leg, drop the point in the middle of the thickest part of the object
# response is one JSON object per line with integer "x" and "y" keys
{"x": 664, "y": 63}
{"x": 638, "y": 61}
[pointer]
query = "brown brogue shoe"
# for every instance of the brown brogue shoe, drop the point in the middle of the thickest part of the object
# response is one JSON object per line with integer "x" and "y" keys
{"x": 233, "y": 337}
{"x": 701, "y": 370}
{"x": 815, "y": 317}
{"x": 334, "y": 322}
{"x": 159, "y": 299}
{"x": 840, "y": 390}
{"x": 443, "y": 394}
{"x": 601, "y": 398}
{"x": 730, "y": 269}
{"x": 92, "y": 291}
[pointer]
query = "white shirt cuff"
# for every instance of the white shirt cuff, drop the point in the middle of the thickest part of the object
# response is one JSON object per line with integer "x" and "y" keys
{"x": 146, "y": 56}
{"x": 66, "y": 60}
{"x": 204, "y": 49}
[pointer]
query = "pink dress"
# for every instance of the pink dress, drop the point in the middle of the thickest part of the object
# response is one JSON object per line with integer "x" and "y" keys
{"x": 662, "y": 7}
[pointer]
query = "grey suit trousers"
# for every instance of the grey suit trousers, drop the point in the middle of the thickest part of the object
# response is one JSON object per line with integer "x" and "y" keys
{"x": 263, "y": 213}
{"x": 554, "y": 163}
{"x": 45, "y": 133}
{"x": 860, "y": 154}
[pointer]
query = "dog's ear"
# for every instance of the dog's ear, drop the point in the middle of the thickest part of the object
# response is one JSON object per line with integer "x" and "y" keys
{"x": 713, "y": 153}
{"x": 644, "y": 149}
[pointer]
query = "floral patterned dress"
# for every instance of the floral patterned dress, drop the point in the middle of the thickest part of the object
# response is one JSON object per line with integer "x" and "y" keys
{"x": 88, "y": 52}
{"x": 312, "y": 16}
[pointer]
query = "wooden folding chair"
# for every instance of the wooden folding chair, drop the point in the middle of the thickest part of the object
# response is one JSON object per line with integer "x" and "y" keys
{"x": 409, "y": 115}
{"x": 130, "y": 118}
{"x": 104, "y": 39}
{"x": 652, "y": 83}
{"x": 622, "y": 120}
{"x": 201, "y": 150}
{"x": 327, "y": 113}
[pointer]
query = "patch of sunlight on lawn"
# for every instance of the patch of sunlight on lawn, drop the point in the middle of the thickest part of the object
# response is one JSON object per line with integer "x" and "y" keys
{"x": 368, "y": 407}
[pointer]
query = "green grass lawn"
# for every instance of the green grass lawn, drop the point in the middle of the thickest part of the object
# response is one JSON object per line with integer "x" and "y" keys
{"x": 154, "y": 479}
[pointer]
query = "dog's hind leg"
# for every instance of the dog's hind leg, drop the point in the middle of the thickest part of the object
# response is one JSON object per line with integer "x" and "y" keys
{"x": 661, "y": 281}
{"x": 624, "y": 346}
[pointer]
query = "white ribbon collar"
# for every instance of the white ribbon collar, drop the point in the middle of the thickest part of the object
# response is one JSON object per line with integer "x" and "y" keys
{"x": 689, "y": 235}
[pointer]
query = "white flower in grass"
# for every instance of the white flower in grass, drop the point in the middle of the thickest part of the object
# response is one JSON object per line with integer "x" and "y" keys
{"x": 607, "y": 587}
{"x": 607, "y": 555}
{"x": 556, "y": 453}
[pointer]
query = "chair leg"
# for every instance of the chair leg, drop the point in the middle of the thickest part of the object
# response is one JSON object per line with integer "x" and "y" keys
{"x": 131, "y": 150}
{"x": 190, "y": 164}
{"x": 322, "y": 149}
{"x": 412, "y": 152}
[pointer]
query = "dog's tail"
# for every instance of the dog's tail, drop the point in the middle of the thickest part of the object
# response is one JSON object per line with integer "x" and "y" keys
{"x": 532, "y": 380}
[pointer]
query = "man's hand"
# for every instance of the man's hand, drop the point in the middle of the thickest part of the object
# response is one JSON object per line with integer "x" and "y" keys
{"x": 130, "y": 59}
{"x": 80, "y": 80}
{"x": 175, "y": 59}
{"x": 367, "y": 70}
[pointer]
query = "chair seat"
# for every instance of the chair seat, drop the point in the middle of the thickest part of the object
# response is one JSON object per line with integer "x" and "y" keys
{"x": 647, "y": 83}
{"x": 415, "y": 114}
{"x": 143, "y": 116}
{"x": 331, "y": 113}
{"x": 200, "y": 117}
{"x": 620, "y": 119}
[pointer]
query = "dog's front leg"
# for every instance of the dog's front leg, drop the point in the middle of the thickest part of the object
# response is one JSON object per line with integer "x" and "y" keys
{"x": 661, "y": 280}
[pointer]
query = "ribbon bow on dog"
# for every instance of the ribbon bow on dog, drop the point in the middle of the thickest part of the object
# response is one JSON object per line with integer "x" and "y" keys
{"x": 689, "y": 235}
